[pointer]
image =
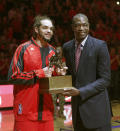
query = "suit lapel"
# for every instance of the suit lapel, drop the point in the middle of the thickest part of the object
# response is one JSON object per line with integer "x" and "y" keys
{"x": 73, "y": 55}
{"x": 84, "y": 53}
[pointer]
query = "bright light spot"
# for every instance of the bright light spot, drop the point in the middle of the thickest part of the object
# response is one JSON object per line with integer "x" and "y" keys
{"x": 118, "y": 2}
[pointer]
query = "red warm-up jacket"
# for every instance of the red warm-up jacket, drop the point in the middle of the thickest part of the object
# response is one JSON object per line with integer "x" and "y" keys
{"x": 30, "y": 59}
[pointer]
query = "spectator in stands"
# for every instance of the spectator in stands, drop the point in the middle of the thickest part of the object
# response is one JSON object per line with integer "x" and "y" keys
{"x": 59, "y": 11}
{"x": 114, "y": 94}
{"x": 4, "y": 65}
{"x": 119, "y": 72}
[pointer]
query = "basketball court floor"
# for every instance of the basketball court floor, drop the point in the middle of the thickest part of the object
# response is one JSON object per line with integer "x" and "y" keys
{"x": 7, "y": 119}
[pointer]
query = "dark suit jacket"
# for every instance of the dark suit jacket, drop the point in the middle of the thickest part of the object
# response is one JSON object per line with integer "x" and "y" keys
{"x": 92, "y": 79}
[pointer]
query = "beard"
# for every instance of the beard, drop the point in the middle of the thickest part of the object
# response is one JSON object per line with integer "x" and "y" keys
{"x": 43, "y": 38}
{"x": 46, "y": 40}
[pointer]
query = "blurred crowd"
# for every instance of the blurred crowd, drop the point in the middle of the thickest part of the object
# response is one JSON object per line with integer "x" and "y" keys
{"x": 16, "y": 20}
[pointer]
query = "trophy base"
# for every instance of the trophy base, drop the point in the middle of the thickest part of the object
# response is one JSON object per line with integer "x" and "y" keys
{"x": 59, "y": 90}
{"x": 55, "y": 84}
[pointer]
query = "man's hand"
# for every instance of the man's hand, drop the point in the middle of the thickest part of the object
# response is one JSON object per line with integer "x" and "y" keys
{"x": 61, "y": 71}
{"x": 71, "y": 92}
{"x": 48, "y": 71}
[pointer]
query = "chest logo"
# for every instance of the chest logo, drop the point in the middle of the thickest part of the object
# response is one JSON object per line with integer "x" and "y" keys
{"x": 20, "y": 109}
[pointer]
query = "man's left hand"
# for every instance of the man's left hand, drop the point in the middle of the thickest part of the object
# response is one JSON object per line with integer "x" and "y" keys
{"x": 61, "y": 71}
{"x": 71, "y": 92}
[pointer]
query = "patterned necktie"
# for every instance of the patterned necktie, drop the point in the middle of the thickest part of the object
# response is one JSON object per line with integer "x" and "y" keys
{"x": 77, "y": 56}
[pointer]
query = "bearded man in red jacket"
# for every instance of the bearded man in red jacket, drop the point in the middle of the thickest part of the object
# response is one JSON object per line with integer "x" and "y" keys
{"x": 33, "y": 111}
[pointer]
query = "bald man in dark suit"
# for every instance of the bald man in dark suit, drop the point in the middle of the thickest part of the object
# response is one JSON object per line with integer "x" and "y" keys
{"x": 90, "y": 77}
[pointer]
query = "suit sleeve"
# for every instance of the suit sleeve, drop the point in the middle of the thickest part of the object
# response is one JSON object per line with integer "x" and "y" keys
{"x": 103, "y": 75}
{"x": 16, "y": 74}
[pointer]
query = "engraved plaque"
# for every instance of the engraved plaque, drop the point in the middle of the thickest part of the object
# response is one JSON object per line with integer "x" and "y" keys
{"x": 55, "y": 84}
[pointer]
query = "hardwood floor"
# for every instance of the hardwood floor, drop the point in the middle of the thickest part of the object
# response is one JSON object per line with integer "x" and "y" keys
{"x": 7, "y": 119}
{"x": 116, "y": 115}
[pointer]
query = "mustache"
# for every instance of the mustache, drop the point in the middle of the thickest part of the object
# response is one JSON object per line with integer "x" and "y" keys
{"x": 46, "y": 40}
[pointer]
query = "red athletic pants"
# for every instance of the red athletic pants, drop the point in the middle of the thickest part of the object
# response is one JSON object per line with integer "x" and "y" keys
{"x": 34, "y": 125}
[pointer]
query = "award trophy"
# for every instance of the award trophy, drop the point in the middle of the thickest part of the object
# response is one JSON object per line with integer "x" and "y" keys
{"x": 55, "y": 84}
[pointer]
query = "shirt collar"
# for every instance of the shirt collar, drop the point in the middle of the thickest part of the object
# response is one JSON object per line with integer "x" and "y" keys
{"x": 82, "y": 43}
